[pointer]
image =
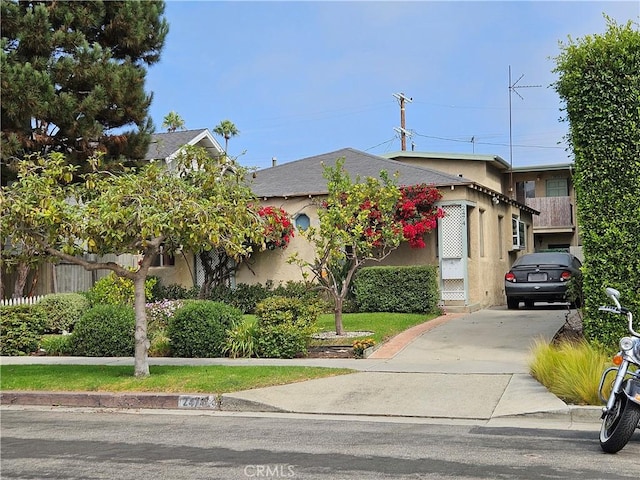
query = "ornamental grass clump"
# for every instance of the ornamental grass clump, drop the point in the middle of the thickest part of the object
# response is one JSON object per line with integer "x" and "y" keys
{"x": 569, "y": 370}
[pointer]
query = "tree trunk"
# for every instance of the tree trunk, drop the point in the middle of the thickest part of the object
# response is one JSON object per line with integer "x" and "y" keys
{"x": 141, "y": 365}
{"x": 338, "y": 315}
{"x": 22, "y": 272}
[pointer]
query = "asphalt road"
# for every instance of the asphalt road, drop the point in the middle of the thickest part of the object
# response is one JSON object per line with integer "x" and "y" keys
{"x": 39, "y": 443}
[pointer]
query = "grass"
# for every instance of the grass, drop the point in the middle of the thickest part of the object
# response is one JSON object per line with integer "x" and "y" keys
{"x": 570, "y": 370}
{"x": 201, "y": 379}
{"x": 383, "y": 325}
{"x": 168, "y": 379}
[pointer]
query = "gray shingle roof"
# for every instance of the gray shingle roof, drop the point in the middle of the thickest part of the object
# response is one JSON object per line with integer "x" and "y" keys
{"x": 305, "y": 177}
{"x": 163, "y": 145}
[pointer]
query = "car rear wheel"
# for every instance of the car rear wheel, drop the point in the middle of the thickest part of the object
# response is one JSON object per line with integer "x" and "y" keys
{"x": 528, "y": 303}
{"x": 512, "y": 303}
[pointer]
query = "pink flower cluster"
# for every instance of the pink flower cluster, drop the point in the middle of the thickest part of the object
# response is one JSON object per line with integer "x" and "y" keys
{"x": 278, "y": 228}
{"x": 418, "y": 213}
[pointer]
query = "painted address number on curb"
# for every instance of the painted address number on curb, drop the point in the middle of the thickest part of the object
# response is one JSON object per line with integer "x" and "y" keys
{"x": 197, "y": 401}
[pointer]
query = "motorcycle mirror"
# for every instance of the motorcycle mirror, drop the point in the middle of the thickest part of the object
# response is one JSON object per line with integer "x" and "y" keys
{"x": 613, "y": 293}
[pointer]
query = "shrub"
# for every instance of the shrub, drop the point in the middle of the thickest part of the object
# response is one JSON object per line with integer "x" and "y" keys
{"x": 241, "y": 339}
{"x": 173, "y": 292}
{"x": 412, "y": 289}
{"x": 115, "y": 290}
{"x": 105, "y": 331}
{"x": 56, "y": 345}
{"x": 198, "y": 329}
{"x": 285, "y": 326}
{"x": 159, "y": 313}
{"x": 244, "y": 296}
{"x": 63, "y": 310}
{"x": 21, "y": 327}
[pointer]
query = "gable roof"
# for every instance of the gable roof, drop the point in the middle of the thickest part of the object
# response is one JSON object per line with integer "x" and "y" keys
{"x": 165, "y": 146}
{"x": 305, "y": 177}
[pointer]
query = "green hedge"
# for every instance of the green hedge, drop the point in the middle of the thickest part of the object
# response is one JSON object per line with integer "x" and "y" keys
{"x": 599, "y": 82}
{"x": 198, "y": 329}
{"x": 105, "y": 331}
{"x": 411, "y": 289}
{"x": 284, "y": 327}
{"x": 21, "y": 327}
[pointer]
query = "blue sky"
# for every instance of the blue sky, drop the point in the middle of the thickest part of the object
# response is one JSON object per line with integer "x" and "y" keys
{"x": 305, "y": 78}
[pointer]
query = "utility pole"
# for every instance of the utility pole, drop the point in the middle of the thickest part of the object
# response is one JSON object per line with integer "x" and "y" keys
{"x": 403, "y": 132}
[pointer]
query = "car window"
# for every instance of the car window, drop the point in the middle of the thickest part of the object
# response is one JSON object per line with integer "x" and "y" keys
{"x": 543, "y": 258}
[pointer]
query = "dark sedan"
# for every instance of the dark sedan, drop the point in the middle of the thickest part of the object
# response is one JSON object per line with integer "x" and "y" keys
{"x": 541, "y": 277}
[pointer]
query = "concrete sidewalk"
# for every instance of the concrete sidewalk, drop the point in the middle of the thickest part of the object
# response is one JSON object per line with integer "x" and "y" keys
{"x": 461, "y": 367}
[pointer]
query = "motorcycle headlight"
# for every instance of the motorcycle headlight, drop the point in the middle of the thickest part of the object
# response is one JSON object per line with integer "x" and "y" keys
{"x": 626, "y": 343}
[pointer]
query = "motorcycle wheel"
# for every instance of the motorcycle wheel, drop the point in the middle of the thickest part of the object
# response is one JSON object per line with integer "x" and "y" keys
{"x": 619, "y": 424}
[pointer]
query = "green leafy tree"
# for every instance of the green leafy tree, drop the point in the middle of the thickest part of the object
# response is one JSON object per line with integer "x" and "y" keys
{"x": 357, "y": 224}
{"x": 599, "y": 81}
{"x": 194, "y": 209}
{"x": 172, "y": 122}
{"x": 74, "y": 72}
{"x": 227, "y": 130}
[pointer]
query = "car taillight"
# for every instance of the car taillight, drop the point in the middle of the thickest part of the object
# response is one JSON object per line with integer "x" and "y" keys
{"x": 510, "y": 277}
{"x": 565, "y": 276}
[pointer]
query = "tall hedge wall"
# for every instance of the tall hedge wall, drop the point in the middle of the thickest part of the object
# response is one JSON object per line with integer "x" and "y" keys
{"x": 600, "y": 83}
{"x": 411, "y": 289}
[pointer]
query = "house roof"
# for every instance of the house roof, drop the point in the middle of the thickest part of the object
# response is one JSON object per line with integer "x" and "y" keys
{"x": 305, "y": 177}
{"x": 165, "y": 146}
{"x": 545, "y": 168}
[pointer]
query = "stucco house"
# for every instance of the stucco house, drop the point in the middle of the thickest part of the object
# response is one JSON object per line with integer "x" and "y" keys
{"x": 549, "y": 189}
{"x": 483, "y": 230}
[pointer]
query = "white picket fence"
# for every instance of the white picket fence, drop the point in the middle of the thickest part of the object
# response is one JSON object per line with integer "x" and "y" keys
{"x": 21, "y": 301}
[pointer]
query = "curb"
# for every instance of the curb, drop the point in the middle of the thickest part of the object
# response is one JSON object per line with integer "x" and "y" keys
{"x": 135, "y": 400}
{"x": 222, "y": 403}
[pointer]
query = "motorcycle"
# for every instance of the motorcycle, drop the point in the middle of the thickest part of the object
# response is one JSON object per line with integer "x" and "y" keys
{"x": 621, "y": 414}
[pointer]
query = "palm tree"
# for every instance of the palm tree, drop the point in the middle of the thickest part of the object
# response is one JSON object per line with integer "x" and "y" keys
{"x": 226, "y": 129}
{"x": 173, "y": 122}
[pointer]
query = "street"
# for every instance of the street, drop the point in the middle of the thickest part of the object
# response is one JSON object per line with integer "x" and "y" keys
{"x": 51, "y": 443}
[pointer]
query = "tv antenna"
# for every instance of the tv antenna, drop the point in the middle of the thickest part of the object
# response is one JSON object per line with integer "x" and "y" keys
{"x": 513, "y": 88}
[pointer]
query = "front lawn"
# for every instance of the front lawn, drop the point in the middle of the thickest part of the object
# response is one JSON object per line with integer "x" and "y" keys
{"x": 383, "y": 325}
{"x": 168, "y": 379}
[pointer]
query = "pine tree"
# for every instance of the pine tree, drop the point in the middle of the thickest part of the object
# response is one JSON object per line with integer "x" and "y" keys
{"x": 73, "y": 75}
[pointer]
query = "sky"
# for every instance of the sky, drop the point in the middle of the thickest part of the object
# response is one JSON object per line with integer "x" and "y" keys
{"x": 304, "y": 78}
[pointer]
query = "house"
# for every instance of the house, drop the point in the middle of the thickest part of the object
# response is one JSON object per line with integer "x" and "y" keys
{"x": 549, "y": 189}
{"x": 546, "y": 188}
{"x": 482, "y": 233}
{"x": 67, "y": 277}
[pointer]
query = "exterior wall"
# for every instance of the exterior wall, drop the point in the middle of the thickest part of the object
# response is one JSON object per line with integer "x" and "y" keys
{"x": 489, "y": 246}
{"x": 488, "y": 249}
{"x": 272, "y": 264}
{"x": 182, "y": 273}
{"x": 479, "y": 171}
{"x": 557, "y": 223}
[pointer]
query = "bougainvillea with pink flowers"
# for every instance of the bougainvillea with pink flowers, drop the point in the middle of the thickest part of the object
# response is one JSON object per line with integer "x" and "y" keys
{"x": 278, "y": 227}
{"x": 417, "y": 212}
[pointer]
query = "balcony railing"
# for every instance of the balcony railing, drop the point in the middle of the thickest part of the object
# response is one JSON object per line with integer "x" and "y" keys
{"x": 555, "y": 212}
